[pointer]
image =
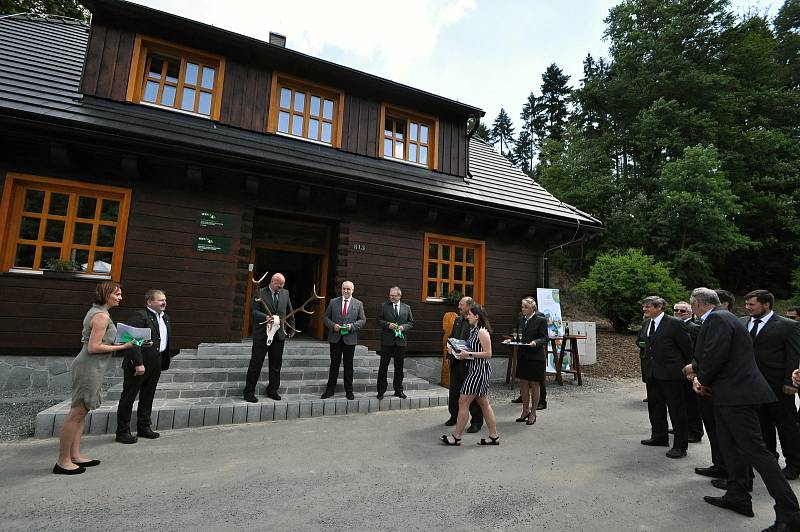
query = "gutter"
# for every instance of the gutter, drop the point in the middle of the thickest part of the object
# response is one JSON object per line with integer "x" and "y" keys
{"x": 469, "y": 137}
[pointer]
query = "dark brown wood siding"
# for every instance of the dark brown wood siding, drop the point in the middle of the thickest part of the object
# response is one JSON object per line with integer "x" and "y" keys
{"x": 108, "y": 63}
{"x": 452, "y": 148}
{"x": 39, "y": 313}
{"x": 394, "y": 256}
{"x": 245, "y": 96}
{"x": 245, "y": 99}
{"x": 360, "y": 128}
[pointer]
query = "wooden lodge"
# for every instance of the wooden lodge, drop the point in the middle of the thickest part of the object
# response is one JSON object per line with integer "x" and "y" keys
{"x": 161, "y": 152}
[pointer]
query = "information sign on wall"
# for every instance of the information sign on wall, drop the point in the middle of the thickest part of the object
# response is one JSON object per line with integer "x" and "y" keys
{"x": 212, "y": 244}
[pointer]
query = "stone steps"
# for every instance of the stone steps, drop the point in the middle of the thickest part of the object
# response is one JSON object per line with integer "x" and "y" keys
{"x": 181, "y": 413}
{"x": 204, "y": 386}
{"x": 227, "y": 374}
{"x": 193, "y": 390}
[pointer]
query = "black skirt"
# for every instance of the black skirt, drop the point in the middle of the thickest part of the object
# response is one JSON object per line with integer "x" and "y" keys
{"x": 530, "y": 370}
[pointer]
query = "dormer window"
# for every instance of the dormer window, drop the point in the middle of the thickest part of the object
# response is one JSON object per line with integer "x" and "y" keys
{"x": 302, "y": 109}
{"x": 174, "y": 77}
{"x": 408, "y": 137}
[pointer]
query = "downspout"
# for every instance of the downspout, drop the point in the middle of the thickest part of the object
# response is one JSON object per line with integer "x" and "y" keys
{"x": 546, "y": 260}
{"x": 469, "y": 137}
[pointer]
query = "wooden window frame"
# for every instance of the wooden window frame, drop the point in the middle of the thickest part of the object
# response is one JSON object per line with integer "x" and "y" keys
{"x": 11, "y": 213}
{"x": 479, "y": 278}
{"x": 411, "y": 116}
{"x": 279, "y": 81}
{"x": 138, "y": 73}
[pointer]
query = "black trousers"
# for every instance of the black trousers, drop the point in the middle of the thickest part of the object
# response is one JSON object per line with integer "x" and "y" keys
{"x": 543, "y": 387}
{"x": 781, "y": 415}
{"x": 257, "y": 356}
{"x": 341, "y": 352}
{"x": 458, "y": 372}
{"x": 706, "y": 407}
{"x": 142, "y": 385}
{"x": 739, "y": 433}
{"x": 693, "y": 417}
{"x": 398, "y": 353}
{"x": 664, "y": 396}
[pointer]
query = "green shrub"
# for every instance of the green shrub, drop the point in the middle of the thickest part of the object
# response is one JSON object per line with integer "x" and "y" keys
{"x": 619, "y": 280}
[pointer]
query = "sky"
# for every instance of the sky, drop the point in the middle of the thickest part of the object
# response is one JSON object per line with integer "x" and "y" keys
{"x": 485, "y": 53}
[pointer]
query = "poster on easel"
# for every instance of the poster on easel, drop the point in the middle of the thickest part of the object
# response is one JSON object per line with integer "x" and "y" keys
{"x": 549, "y": 303}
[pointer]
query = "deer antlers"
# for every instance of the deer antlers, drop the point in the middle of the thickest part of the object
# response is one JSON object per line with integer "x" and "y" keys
{"x": 302, "y": 308}
{"x": 284, "y": 323}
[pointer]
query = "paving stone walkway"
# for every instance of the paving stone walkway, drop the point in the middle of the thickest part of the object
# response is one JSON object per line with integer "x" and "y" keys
{"x": 204, "y": 387}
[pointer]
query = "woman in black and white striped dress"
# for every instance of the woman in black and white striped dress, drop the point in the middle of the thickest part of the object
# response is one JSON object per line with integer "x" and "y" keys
{"x": 479, "y": 372}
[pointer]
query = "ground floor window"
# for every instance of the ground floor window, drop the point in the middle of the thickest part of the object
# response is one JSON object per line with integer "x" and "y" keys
{"x": 81, "y": 225}
{"x": 453, "y": 267}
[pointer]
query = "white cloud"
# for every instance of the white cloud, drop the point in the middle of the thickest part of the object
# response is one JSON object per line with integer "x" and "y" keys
{"x": 395, "y": 35}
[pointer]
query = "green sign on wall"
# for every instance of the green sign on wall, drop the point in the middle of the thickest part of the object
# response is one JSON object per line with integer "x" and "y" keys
{"x": 213, "y": 219}
{"x": 212, "y": 244}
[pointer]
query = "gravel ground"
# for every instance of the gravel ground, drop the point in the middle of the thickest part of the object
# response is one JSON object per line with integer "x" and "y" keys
{"x": 617, "y": 356}
{"x": 18, "y": 416}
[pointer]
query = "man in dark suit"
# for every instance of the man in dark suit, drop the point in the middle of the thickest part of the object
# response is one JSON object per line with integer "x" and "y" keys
{"x": 705, "y": 403}
{"x": 683, "y": 311}
{"x": 458, "y": 372}
{"x": 776, "y": 342}
{"x": 142, "y": 368}
{"x": 665, "y": 349}
{"x": 268, "y": 337}
{"x": 394, "y": 318}
{"x": 343, "y": 318}
{"x": 727, "y": 366}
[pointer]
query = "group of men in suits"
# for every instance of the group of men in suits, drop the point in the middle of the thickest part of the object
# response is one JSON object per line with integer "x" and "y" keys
{"x": 741, "y": 370}
{"x": 344, "y": 317}
{"x": 142, "y": 367}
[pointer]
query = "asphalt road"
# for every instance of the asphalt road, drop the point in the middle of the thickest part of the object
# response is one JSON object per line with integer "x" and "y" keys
{"x": 580, "y": 467}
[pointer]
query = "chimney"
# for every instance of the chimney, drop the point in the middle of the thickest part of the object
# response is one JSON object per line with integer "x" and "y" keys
{"x": 277, "y": 39}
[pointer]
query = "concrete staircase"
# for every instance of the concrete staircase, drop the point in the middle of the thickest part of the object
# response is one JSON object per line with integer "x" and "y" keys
{"x": 204, "y": 387}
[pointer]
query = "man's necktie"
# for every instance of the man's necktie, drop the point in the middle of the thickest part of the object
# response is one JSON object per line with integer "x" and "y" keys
{"x": 396, "y": 311}
{"x": 652, "y": 330}
{"x": 275, "y": 299}
{"x": 754, "y": 329}
{"x": 344, "y": 309}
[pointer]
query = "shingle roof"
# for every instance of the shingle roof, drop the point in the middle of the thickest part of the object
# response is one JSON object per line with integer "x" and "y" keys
{"x": 41, "y": 62}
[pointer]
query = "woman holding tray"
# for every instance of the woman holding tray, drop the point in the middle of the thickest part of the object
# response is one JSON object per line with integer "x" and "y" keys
{"x": 476, "y": 384}
{"x": 530, "y": 358}
{"x": 88, "y": 370}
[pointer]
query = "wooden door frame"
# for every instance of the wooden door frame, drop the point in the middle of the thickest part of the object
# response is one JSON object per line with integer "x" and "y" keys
{"x": 321, "y": 290}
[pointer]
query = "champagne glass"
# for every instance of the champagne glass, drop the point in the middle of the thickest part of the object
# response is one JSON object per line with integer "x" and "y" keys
{"x": 515, "y": 335}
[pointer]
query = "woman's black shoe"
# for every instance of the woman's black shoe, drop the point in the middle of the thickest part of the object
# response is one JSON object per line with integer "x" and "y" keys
{"x": 90, "y": 463}
{"x": 58, "y": 470}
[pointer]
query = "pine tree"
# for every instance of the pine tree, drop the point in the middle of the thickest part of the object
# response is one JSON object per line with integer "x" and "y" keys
{"x": 503, "y": 132}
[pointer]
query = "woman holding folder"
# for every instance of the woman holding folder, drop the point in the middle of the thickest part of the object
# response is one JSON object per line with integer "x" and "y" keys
{"x": 88, "y": 370}
{"x": 476, "y": 385}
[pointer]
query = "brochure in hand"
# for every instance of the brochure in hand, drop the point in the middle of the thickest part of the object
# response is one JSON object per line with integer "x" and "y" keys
{"x": 457, "y": 345}
{"x": 138, "y": 335}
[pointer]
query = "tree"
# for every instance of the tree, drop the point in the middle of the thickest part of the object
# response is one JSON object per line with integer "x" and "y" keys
{"x": 694, "y": 210}
{"x": 787, "y": 32}
{"x": 618, "y": 281}
{"x": 503, "y": 132}
{"x": 526, "y": 143}
{"x": 64, "y": 8}
{"x": 553, "y": 112}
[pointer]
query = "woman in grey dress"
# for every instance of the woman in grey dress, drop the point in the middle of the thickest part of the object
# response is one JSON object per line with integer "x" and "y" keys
{"x": 88, "y": 370}
{"x": 476, "y": 384}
